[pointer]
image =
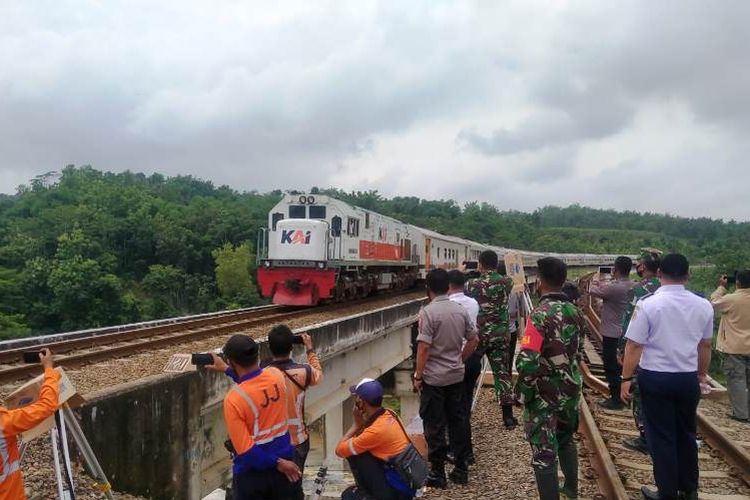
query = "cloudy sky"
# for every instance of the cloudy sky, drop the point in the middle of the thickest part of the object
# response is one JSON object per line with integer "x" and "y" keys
{"x": 630, "y": 105}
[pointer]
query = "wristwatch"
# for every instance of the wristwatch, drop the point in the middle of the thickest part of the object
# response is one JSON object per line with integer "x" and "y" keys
{"x": 628, "y": 379}
{"x": 417, "y": 378}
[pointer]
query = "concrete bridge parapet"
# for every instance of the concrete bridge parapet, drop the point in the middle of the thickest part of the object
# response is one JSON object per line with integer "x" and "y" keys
{"x": 162, "y": 437}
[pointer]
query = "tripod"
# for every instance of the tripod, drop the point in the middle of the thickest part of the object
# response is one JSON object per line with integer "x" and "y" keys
{"x": 66, "y": 421}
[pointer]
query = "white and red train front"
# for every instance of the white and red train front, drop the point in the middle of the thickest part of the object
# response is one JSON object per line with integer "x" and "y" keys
{"x": 320, "y": 249}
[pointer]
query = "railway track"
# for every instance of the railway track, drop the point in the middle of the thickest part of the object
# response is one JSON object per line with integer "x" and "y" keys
{"x": 76, "y": 352}
{"x": 724, "y": 448}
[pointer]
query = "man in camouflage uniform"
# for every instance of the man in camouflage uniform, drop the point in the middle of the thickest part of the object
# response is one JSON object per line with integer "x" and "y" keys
{"x": 646, "y": 267}
{"x": 549, "y": 382}
{"x": 491, "y": 291}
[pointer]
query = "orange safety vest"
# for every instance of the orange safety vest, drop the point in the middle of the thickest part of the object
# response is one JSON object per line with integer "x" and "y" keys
{"x": 255, "y": 410}
{"x": 298, "y": 378}
{"x": 13, "y": 423}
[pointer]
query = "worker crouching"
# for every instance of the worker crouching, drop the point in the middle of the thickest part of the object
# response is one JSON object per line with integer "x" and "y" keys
{"x": 374, "y": 445}
{"x": 255, "y": 413}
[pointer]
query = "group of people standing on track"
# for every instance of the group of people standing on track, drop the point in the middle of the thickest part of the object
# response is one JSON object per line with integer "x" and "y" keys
{"x": 458, "y": 327}
{"x": 656, "y": 352}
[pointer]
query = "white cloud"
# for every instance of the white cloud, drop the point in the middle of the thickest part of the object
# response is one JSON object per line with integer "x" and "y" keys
{"x": 518, "y": 103}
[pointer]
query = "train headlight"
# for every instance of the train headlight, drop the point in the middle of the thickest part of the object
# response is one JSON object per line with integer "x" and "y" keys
{"x": 321, "y": 265}
{"x": 267, "y": 264}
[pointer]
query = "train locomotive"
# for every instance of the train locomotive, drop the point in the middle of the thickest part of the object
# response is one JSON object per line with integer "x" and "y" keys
{"x": 320, "y": 249}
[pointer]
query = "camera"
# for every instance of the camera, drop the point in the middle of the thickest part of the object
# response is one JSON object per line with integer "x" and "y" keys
{"x": 31, "y": 356}
{"x": 202, "y": 359}
{"x": 731, "y": 278}
{"x": 298, "y": 340}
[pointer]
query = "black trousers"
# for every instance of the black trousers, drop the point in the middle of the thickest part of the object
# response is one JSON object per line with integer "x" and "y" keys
{"x": 371, "y": 484}
{"x": 612, "y": 369}
{"x": 300, "y": 456}
{"x": 265, "y": 485}
{"x": 472, "y": 371}
{"x": 441, "y": 408}
{"x": 670, "y": 402}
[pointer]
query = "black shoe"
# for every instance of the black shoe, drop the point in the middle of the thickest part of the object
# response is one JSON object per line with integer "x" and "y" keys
{"x": 649, "y": 494}
{"x": 567, "y": 494}
{"x": 436, "y": 480}
{"x": 636, "y": 444}
{"x": 459, "y": 476}
{"x": 510, "y": 422}
{"x": 610, "y": 404}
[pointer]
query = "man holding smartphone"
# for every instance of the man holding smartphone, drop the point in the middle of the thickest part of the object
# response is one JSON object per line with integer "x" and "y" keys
{"x": 299, "y": 376}
{"x": 614, "y": 297}
{"x": 15, "y": 422}
{"x": 255, "y": 413}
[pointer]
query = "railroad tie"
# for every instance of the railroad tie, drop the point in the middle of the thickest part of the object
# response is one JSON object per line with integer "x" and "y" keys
{"x": 635, "y": 485}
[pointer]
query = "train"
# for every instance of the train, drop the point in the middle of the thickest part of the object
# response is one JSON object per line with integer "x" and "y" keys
{"x": 317, "y": 249}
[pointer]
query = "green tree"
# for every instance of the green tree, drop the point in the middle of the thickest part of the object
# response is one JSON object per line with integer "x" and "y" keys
{"x": 233, "y": 273}
{"x": 165, "y": 288}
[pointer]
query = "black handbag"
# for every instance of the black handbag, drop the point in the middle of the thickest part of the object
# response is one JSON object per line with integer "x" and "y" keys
{"x": 411, "y": 467}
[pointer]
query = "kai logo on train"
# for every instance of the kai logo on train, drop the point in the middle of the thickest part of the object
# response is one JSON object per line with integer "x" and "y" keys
{"x": 295, "y": 237}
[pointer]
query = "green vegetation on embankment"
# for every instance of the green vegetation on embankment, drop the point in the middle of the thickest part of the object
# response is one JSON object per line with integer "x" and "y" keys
{"x": 86, "y": 248}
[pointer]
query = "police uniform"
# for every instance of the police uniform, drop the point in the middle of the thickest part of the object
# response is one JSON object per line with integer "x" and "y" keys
{"x": 669, "y": 325}
{"x": 549, "y": 386}
{"x": 491, "y": 290}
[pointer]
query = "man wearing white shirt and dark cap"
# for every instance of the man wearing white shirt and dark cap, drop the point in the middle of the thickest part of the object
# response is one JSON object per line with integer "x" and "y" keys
{"x": 669, "y": 339}
{"x": 473, "y": 365}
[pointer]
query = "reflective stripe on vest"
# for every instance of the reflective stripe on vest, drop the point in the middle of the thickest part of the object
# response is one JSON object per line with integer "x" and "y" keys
{"x": 252, "y": 406}
{"x": 261, "y": 436}
{"x": 9, "y": 468}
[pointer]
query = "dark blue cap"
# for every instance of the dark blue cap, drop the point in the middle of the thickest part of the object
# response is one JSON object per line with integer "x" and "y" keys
{"x": 370, "y": 390}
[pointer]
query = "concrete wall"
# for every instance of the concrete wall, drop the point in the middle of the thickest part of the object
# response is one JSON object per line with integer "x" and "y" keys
{"x": 162, "y": 437}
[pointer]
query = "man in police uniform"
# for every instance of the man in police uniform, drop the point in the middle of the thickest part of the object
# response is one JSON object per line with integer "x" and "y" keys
{"x": 646, "y": 267}
{"x": 549, "y": 382}
{"x": 491, "y": 290}
{"x": 669, "y": 341}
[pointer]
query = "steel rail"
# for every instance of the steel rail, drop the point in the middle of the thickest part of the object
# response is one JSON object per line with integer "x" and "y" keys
{"x": 18, "y": 371}
{"x": 735, "y": 455}
{"x": 94, "y": 332}
{"x": 65, "y": 346}
{"x": 176, "y": 335}
{"x": 607, "y": 478}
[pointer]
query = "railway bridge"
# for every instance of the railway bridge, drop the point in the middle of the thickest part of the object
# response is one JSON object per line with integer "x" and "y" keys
{"x": 160, "y": 435}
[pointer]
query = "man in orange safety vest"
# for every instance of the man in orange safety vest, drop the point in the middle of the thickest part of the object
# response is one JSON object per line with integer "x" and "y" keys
{"x": 14, "y": 422}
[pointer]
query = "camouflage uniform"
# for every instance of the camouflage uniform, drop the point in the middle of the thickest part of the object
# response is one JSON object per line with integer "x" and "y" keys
{"x": 549, "y": 380}
{"x": 645, "y": 288}
{"x": 491, "y": 290}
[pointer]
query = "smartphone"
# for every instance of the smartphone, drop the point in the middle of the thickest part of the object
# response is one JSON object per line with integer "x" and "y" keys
{"x": 202, "y": 359}
{"x": 298, "y": 340}
{"x": 470, "y": 264}
{"x": 731, "y": 278}
{"x": 605, "y": 269}
{"x": 31, "y": 356}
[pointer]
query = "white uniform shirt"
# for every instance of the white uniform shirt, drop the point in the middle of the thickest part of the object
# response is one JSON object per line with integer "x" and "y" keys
{"x": 471, "y": 305}
{"x": 669, "y": 325}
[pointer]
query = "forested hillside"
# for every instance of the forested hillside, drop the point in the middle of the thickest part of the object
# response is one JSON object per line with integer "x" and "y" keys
{"x": 85, "y": 248}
